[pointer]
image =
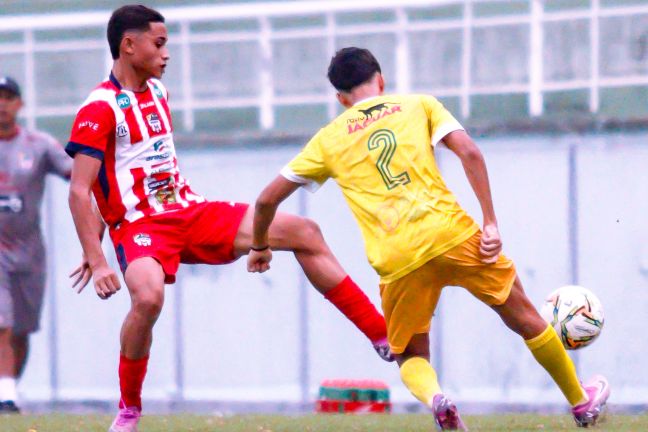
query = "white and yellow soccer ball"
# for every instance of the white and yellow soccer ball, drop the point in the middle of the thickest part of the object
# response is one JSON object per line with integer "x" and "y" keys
{"x": 576, "y": 314}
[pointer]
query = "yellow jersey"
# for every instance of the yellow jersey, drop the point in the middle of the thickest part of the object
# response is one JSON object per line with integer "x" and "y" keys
{"x": 380, "y": 152}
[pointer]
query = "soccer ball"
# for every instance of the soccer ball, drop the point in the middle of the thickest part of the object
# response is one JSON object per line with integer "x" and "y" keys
{"x": 575, "y": 313}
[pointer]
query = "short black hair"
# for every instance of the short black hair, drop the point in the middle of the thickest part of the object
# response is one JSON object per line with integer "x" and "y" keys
{"x": 351, "y": 67}
{"x": 129, "y": 17}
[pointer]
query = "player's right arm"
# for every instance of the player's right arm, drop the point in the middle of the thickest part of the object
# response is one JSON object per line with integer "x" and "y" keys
{"x": 264, "y": 212}
{"x": 307, "y": 169}
{"x": 94, "y": 126}
{"x": 83, "y": 273}
{"x": 84, "y": 173}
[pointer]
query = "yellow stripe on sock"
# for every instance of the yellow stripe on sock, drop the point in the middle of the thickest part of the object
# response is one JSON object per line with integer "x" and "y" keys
{"x": 420, "y": 379}
{"x": 550, "y": 353}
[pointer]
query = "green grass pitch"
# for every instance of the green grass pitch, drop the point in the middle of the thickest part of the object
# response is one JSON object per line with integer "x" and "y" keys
{"x": 314, "y": 423}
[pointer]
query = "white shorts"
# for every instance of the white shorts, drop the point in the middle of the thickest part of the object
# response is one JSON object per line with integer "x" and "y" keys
{"x": 21, "y": 300}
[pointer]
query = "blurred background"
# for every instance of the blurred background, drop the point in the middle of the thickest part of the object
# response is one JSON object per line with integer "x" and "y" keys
{"x": 555, "y": 93}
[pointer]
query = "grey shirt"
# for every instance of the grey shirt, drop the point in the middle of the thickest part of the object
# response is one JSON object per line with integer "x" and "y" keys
{"x": 25, "y": 160}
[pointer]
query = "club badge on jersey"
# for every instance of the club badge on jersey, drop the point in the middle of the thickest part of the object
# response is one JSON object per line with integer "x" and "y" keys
{"x": 25, "y": 161}
{"x": 154, "y": 122}
{"x": 122, "y": 130}
{"x": 142, "y": 239}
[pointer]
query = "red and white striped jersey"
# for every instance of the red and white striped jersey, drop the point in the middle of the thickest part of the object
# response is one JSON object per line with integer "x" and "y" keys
{"x": 132, "y": 134}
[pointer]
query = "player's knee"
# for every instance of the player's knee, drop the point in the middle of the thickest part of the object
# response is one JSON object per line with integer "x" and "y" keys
{"x": 148, "y": 305}
{"x": 310, "y": 234}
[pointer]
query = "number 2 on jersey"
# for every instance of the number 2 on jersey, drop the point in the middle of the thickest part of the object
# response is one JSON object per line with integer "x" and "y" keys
{"x": 387, "y": 140}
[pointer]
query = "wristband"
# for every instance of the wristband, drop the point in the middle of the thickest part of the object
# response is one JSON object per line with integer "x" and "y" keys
{"x": 260, "y": 249}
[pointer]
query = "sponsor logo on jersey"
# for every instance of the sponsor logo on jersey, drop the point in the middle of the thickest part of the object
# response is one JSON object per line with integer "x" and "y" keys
{"x": 154, "y": 122}
{"x": 157, "y": 92}
{"x": 90, "y": 125}
{"x": 161, "y": 168}
{"x": 162, "y": 156}
{"x": 157, "y": 184}
{"x": 370, "y": 115}
{"x": 147, "y": 104}
{"x": 160, "y": 145}
{"x": 122, "y": 130}
{"x": 142, "y": 239}
{"x": 123, "y": 101}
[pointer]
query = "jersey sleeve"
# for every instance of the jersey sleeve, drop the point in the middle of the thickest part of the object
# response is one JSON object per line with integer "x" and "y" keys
{"x": 58, "y": 161}
{"x": 93, "y": 128}
{"x": 309, "y": 166}
{"x": 440, "y": 120}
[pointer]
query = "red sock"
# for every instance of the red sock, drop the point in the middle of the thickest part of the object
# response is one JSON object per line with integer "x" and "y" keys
{"x": 131, "y": 377}
{"x": 355, "y": 305}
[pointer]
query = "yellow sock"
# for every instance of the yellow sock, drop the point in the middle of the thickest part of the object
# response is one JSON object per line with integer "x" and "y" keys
{"x": 421, "y": 379}
{"x": 550, "y": 353}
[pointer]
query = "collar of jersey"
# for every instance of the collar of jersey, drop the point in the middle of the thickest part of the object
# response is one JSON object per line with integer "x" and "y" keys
{"x": 365, "y": 100}
{"x": 113, "y": 80}
{"x": 116, "y": 83}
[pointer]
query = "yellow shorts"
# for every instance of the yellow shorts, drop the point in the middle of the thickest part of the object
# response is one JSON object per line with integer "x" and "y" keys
{"x": 409, "y": 302}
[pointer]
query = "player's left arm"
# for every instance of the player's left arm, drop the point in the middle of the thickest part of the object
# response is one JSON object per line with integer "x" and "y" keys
{"x": 475, "y": 168}
{"x": 265, "y": 209}
{"x": 58, "y": 161}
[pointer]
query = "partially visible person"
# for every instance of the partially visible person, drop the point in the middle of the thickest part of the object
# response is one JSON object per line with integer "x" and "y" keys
{"x": 124, "y": 155}
{"x": 26, "y": 157}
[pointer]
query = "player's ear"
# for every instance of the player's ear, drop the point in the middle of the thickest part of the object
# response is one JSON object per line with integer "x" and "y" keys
{"x": 381, "y": 82}
{"x": 128, "y": 43}
{"x": 343, "y": 99}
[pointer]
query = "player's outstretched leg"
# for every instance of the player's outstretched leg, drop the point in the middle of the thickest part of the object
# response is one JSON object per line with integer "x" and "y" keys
{"x": 519, "y": 314}
{"x": 420, "y": 378}
{"x": 303, "y": 237}
{"x": 145, "y": 280}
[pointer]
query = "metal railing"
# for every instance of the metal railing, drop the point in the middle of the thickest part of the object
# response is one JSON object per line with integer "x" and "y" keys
{"x": 524, "y": 47}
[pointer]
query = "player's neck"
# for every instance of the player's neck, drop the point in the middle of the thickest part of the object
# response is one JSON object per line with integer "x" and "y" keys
{"x": 8, "y": 132}
{"x": 370, "y": 89}
{"x": 362, "y": 94}
{"x": 128, "y": 77}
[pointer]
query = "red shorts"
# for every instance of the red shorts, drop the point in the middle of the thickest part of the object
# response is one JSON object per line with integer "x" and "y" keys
{"x": 201, "y": 234}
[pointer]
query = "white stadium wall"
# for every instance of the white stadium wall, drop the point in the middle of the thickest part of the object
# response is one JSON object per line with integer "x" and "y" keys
{"x": 226, "y": 335}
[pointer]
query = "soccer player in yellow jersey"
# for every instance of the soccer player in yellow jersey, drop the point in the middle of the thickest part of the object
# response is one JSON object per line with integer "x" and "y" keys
{"x": 380, "y": 151}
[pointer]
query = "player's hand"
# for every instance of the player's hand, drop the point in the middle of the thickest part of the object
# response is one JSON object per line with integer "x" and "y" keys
{"x": 259, "y": 261}
{"x": 491, "y": 244}
{"x": 106, "y": 282}
{"x": 83, "y": 274}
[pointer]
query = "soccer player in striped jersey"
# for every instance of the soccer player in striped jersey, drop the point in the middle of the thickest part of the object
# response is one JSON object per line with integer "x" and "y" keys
{"x": 123, "y": 150}
{"x": 380, "y": 151}
{"x": 27, "y": 156}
